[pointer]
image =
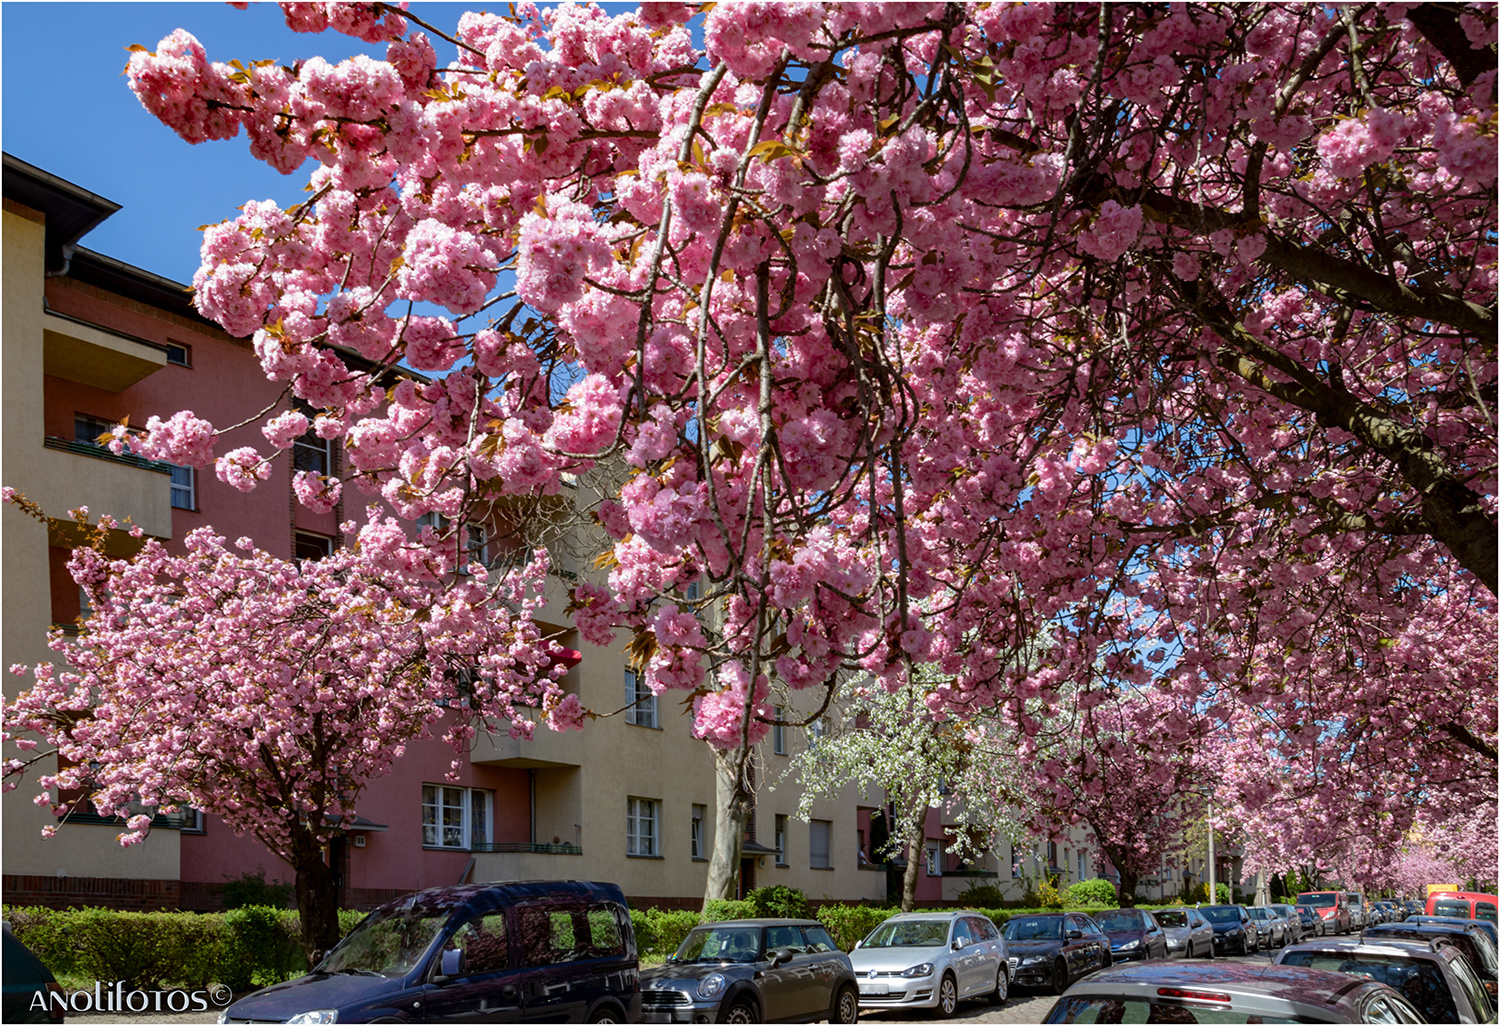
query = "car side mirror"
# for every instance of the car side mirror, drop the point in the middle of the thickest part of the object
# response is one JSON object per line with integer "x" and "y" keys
{"x": 781, "y": 956}
{"x": 957, "y": 945}
{"x": 452, "y": 963}
{"x": 1075, "y": 934}
{"x": 856, "y": 945}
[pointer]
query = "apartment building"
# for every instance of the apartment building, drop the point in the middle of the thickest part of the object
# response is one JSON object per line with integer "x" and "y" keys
{"x": 89, "y": 341}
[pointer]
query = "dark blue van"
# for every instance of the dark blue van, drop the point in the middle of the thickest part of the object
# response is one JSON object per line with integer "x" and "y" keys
{"x": 538, "y": 951}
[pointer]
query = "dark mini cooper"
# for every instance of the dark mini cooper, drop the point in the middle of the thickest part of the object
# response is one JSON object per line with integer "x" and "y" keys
{"x": 538, "y": 951}
{"x": 753, "y": 970}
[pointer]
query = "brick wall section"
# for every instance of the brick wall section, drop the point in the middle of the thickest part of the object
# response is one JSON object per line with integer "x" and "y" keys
{"x": 91, "y": 891}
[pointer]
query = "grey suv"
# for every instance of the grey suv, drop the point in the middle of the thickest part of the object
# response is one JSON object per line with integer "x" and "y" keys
{"x": 753, "y": 970}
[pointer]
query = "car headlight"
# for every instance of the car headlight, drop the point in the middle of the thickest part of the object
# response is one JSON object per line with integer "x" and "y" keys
{"x": 712, "y": 986}
{"x": 925, "y": 969}
{"x": 1130, "y": 945}
{"x": 316, "y": 1015}
{"x": 1034, "y": 959}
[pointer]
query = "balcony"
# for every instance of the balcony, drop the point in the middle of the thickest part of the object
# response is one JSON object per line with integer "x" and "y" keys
{"x": 95, "y": 356}
{"x": 546, "y": 750}
{"x": 72, "y": 474}
{"x": 523, "y": 848}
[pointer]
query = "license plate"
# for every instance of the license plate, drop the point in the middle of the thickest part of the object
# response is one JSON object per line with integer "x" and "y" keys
{"x": 875, "y": 989}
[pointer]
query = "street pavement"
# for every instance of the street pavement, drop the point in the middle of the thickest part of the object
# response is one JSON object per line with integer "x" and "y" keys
{"x": 1026, "y": 1005}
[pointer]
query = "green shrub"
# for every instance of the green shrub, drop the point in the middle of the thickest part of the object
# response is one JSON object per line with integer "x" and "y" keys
{"x": 981, "y": 896}
{"x": 129, "y": 947}
{"x": 719, "y": 909}
{"x": 1047, "y": 895}
{"x": 264, "y": 942}
{"x": 780, "y": 901}
{"x": 45, "y": 932}
{"x": 851, "y": 923}
{"x": 252, "y": 889}
{"x": 663, "y": 929}
{"x": 1096, "y": 892}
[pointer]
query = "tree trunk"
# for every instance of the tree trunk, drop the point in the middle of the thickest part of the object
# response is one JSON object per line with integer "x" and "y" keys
{"x": 317, "y": 901}
{"x": 735, "y": 800}
{"x": 1129, "y": 878}
{"x": 914, "y": 854}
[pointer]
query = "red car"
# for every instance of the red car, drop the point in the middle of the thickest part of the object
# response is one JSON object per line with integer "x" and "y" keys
{"x": 1331, "y": 906}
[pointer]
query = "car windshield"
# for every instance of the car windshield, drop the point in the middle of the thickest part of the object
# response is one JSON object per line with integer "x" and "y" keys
{"x": 1221, "y": 914}
{"x": 1170, "y": 917}
{"x": 909, "y": 933}
{"x": 1113, "y": 922}
{"x": 1420, "y": 981}
{"x": 1121, "y": 1009}
{"x": 1261, "y": 912}
{"x": 389, "y": 941}
{"x": 1033, "y": 928}
{"x": 1316, "y": 900}
{"x": 726, "y": 943}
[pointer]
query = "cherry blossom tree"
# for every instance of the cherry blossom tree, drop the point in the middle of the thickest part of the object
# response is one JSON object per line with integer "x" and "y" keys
{"x": 918, "y": 328}
{"x": 270, "y": 692}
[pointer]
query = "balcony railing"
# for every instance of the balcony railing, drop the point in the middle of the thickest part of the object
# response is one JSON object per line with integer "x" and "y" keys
{"x": 102, "y": 452}
{"x": 176, "y": 821}
{"x": 524, "y": 848}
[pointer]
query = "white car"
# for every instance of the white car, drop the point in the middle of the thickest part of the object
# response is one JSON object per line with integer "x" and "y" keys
{"x": 931, "y": 960}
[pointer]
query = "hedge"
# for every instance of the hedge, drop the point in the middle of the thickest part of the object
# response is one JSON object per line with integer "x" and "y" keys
{"x": 147, "y": 950}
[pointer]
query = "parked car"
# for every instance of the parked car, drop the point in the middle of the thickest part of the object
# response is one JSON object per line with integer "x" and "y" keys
{"x": 29, "y": 987}
{"x": 1331, "y": 906}
{"x": 1295, "y": 931}
{"x": 1390, "y": 912}
{"x": 1485, "y": 925}
{"x": 1234, "y": 930}
{"x": 1433, "y": 975}
{"x": 1359, "y": 912}
{"x": 1413, "y": 907}
{"x": 1312, "y": 924}
{"x": 1464, "y": 904}
{"x": 541, "y": 950}
{"x": 1133, "y": 935}
{"x": 1270, "y": 931}
{"x": 931, "y": 960}
{"x": 753, "y": 970}
{"x": 1187, "y": 932}
{"x": 1473, "y": 941}
{"x": 1227, "y": 992}
{"x": 1052, "y": 950}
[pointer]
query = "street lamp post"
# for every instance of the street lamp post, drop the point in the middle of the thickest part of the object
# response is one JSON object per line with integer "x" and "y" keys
{"x": 1213, "y": 891}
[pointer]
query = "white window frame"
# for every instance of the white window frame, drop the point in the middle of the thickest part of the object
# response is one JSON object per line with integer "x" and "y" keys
{"x": 933, "y": 855}
{"x": 640, "y": 703}
{"x": 187, "y": 492}
{"x": 778, "y": 732}
{"x": 820, "y": 856}
{"x": 700, "y": 814}
{"x": 328, "y": 543}
{"x": 780, "y": 822}
{"x": 435, "y": 829}
{"x": 643, "y": 827}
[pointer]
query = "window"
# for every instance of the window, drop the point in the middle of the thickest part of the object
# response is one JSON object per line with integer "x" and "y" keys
{"x": 455, "y": 817}
{"x": 309, "y": 452}
{"x": 1081, "y": 865}
{"x": 1052, "y": 854}
{"x": 699, "y": 813}
{"x": 311, "y": 546}
{"x": 484, "y": 942}
{"x": 816, "y": 731}
{"x": 640, "y": 703}
{"x": 934, "y": 854}
{"x": 177, "y": 354}
{"x": 1017, "y": 866}
{"x": 568, "y": 932}
{"x": 819, "y": 833}
{"x": 184, "y": 494}
{"x": 778, "y": 732}
{"x": 642, "y": 827}
{"x": 91, "y": 429}
{"x": 781, "y": 840}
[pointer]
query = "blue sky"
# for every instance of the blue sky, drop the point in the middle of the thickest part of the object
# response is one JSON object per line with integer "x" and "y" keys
{"x": 66, "y": 108}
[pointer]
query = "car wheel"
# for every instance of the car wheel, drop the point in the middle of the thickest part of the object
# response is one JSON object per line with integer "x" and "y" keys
{"x": 1210, "y": 950}
{"x": 1001, "y": 992}
{"x": 947, "y": 1005}
{"x": 846, "y": 1005}
{"x": 1107, "y": 961}
{"x": 608, "y": 1013}
{"x": 741, "y": 1011}
{"x": 1059, "y": 976}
